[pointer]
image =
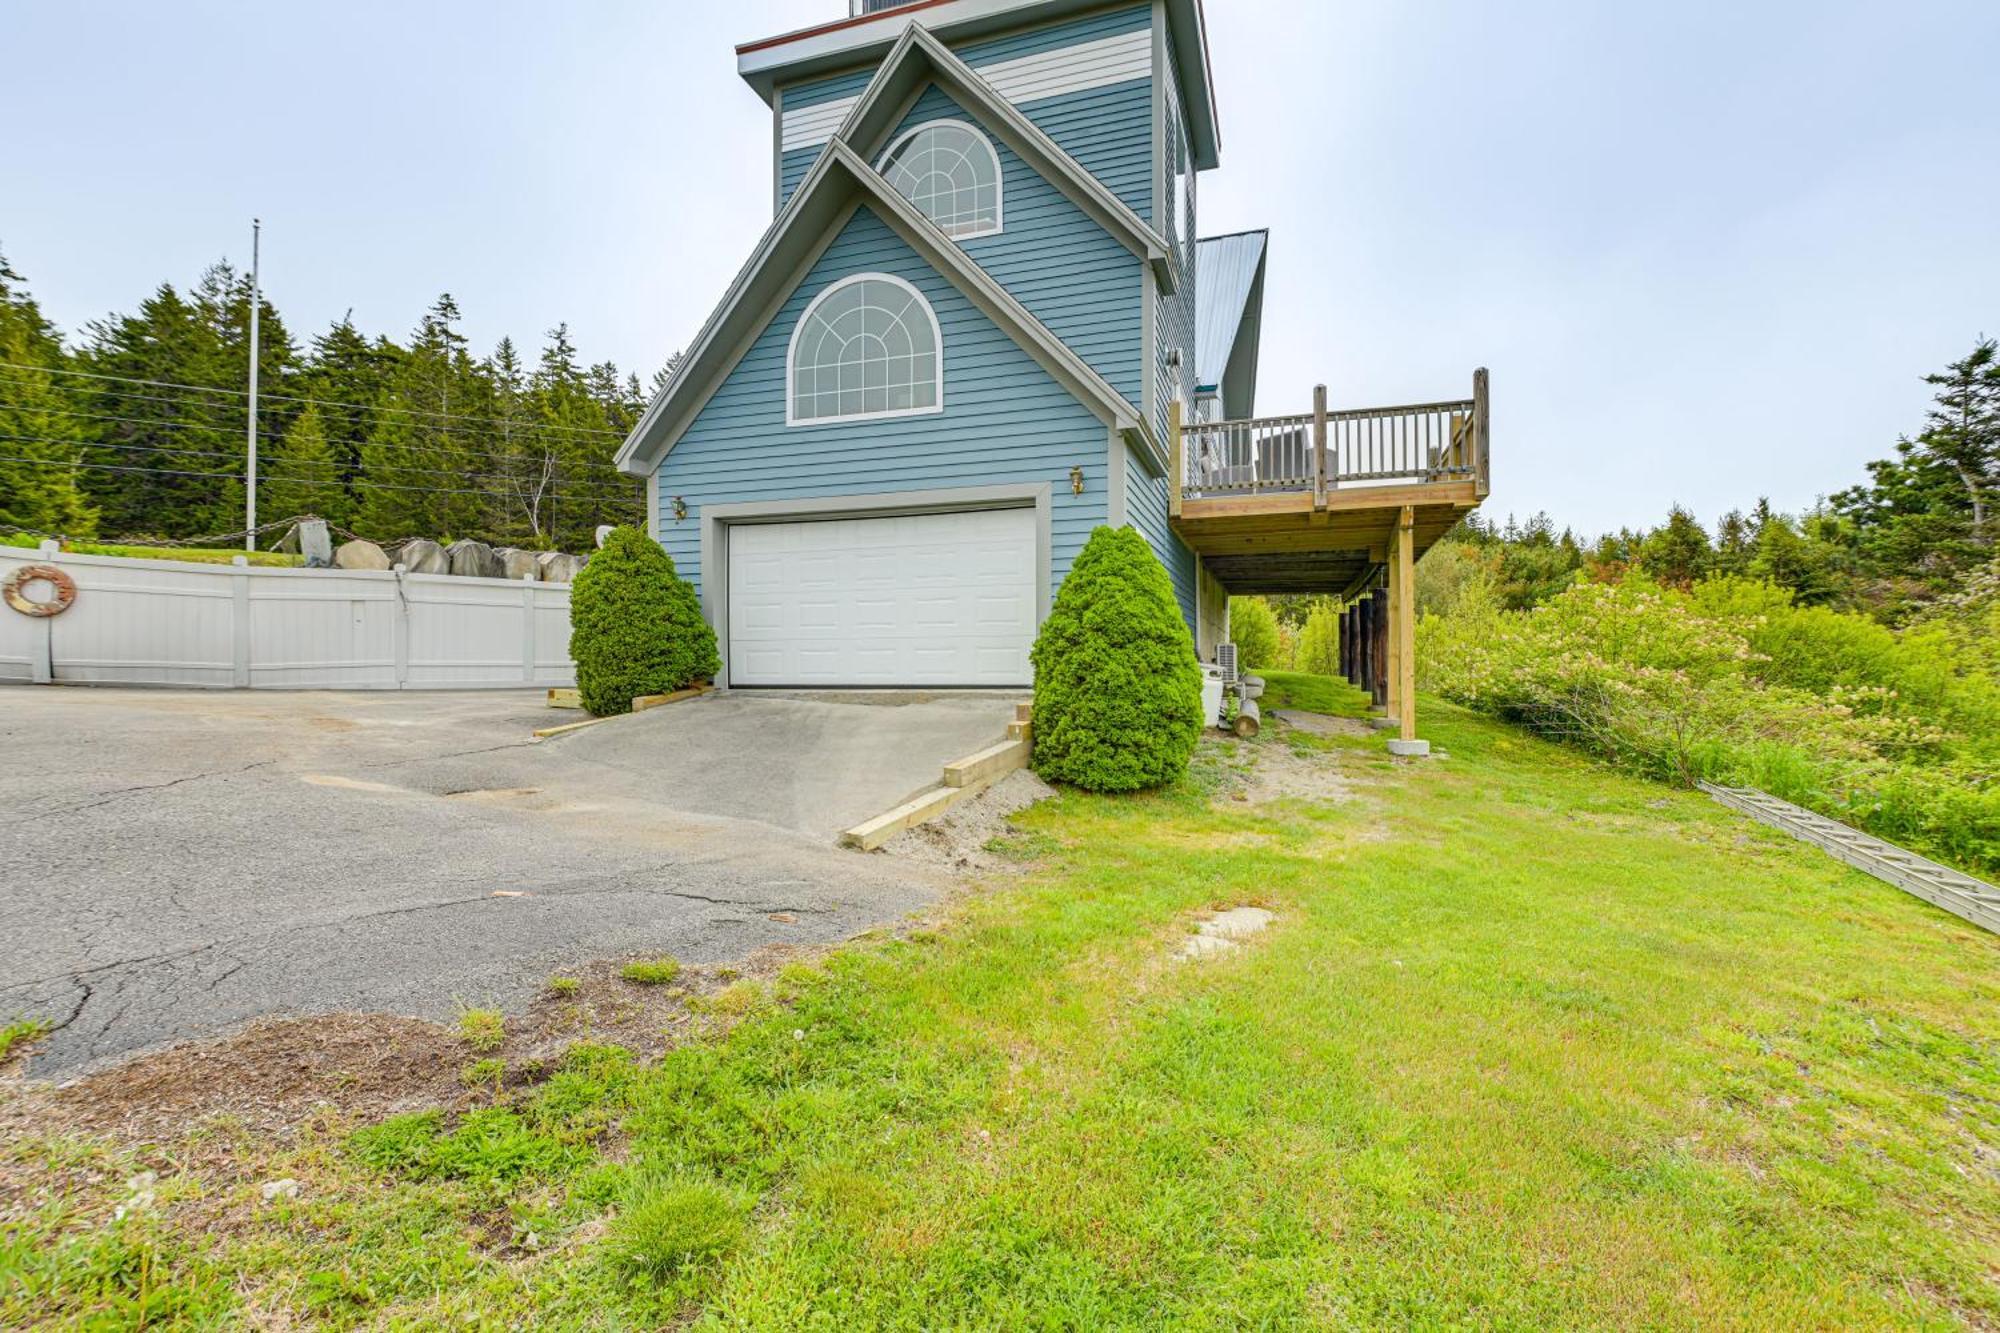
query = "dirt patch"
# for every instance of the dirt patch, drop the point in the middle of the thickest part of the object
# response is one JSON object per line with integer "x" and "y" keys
{"x": 1276, "y": 771}
{"x": 1319, "y": 724}
{"x": 277, "y": 1075}
{"x": 957, "y": 839}
{"x": 268, "y": 1076}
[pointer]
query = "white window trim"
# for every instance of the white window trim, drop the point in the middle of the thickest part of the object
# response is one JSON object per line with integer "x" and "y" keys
{"x": 999, "y": 172}
{"x": 792, "y": 354}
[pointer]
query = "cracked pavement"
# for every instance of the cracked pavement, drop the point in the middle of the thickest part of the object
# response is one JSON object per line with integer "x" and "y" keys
{"x": 174, "y": 863}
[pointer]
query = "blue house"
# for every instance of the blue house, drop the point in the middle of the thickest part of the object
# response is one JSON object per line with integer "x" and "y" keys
{"x": 980, "y": 325}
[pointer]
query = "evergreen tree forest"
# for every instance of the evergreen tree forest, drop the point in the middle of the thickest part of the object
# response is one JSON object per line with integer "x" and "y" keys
{"x": 135, "y": 429}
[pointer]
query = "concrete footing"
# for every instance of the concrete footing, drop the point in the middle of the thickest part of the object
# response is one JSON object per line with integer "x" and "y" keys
{"x": 1410, "y": 749}
{"x": 1384, "y": 723}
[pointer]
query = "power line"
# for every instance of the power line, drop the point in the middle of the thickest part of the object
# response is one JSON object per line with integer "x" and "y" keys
{"x": 275, "y": 434}
{"x": 87, "y": 445}
{"x": 295, "y": 398}
{"x": 572, "y": 496}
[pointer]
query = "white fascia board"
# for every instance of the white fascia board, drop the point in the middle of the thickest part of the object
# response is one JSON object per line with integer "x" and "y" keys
{"x": 1188, "y": 32}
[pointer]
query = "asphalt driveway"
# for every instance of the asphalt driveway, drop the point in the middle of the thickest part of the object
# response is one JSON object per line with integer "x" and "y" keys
{"x": 174, "y": 863}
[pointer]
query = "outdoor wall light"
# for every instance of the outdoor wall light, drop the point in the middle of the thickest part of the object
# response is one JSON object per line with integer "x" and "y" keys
{"x": 680, "y": 507}
{"x": 1076, "y": 481}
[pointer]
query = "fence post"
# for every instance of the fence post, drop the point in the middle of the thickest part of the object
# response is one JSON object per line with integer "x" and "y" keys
{"x": 1319, "y": 446}
{"x": 528, "y": 628}
{"x": 42, "y": 659}
{"x": 239, "y": 620}
{"x": 400, "y": 631}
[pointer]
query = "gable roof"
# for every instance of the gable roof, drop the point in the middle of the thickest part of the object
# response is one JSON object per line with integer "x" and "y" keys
{"x": 838, "y": 183}
{"x": 918, "y": 58}
{"x": 1229, "y": 313}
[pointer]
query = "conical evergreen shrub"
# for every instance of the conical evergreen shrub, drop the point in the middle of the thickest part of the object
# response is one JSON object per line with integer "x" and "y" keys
{"x": 635, "y": 626}
{"x": 1117, "y": 685}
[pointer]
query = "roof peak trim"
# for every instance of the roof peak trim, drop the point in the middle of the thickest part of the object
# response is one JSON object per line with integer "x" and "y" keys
{"x": 839, "y": 183}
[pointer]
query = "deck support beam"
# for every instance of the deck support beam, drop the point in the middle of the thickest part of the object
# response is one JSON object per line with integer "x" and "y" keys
{"x": 1403, "y": 635}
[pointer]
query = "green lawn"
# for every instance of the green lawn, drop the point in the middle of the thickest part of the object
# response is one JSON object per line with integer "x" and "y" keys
{"x": 1313, "y": 694}
{"x": 1530, "y": 1045}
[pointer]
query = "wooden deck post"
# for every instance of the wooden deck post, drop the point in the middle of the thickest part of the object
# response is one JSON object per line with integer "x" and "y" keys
{"x": 1392, "y": 683}
{"x": 1405, "y": 603}
{"x": 1176, "y": 452}
{"x": 1378, "y": 646}
{"x": 1482, "y": 434}
{"x": 1319, "y": 446}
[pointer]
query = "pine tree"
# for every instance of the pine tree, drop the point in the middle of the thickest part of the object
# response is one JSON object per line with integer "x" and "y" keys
{"x": 349, "y": 375}
{"x": 417, "y": 475}
{"x": 41, "y": 431}
{"x": 189, "y": 440}
{"x": 302, "y": 475}
{"x": 1677, "y": 553}
{"x": 1964, "y": 429}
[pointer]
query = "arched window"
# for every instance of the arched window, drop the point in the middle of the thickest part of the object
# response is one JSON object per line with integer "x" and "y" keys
{"x": 949, "y": 170}
{"x": 867, "y": 346}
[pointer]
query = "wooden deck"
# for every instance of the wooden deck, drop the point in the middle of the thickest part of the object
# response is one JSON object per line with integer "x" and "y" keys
{"x": 1341, "y": 504}
{"x": 1310, "y": 503}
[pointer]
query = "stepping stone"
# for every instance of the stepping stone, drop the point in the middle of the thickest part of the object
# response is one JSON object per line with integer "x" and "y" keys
{"x": 1224, "y": 932}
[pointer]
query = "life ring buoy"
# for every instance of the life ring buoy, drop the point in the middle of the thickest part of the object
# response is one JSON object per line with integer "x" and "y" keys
{"x": 23, "y": 575}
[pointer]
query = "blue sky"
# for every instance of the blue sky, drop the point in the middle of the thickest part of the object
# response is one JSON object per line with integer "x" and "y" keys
{"x": 1707, "y": 250}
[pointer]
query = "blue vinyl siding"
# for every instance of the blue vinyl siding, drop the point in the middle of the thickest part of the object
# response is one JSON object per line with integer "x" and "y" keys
{"x": 792, "y": 168}
{"x": 849, "y": 84}
{"x": 1146, "y": 511}
{"x": 1005, "y": 420}
{"x": 1069, "y": 272}
{"x": 1109, "y": 131}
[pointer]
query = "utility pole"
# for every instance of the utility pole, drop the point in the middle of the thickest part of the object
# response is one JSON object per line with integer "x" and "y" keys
{"x": 250, "y": 476}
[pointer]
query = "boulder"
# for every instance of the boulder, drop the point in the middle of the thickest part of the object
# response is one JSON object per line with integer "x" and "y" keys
{"x": 359, "y": 554}
{"x": 518, "y": 564}
{"x": 557, "y": 567}
{"x": 421, "y": 555}
{"x": 472, "y": 560}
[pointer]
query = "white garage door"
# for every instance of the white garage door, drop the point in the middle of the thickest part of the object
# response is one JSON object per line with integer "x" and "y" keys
{"x": 917, "y": 599}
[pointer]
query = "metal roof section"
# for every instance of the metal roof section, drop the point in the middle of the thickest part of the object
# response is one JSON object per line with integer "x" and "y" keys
{"x": 918, "y": 58}
{"x": 1229, "y": 307}
{"x": 851, "y": 42}
{"x": 838, "y": 183}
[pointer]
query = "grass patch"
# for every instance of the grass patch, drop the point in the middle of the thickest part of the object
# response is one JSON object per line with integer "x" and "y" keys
{"x": 197, "y": 554}
{"x": 482, "y": 1029}
{"x": 1313, "y": 694}
{"x": 564, "y": 986}
{"x": 669, "y": 1227}
{"x": 651, "y": 971}
{"x": 21, "y": 1032}
{"x": 1531, "y": 1044}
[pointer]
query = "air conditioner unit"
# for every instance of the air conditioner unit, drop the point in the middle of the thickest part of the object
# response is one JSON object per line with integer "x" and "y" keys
{"x": 1225, "y": 657}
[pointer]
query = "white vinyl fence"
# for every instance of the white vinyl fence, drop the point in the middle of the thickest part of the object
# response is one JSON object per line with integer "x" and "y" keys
{"x": 170, "y": 622}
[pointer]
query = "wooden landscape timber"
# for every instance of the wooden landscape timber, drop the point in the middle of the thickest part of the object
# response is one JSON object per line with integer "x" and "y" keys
{"x": 1939, "y": 885}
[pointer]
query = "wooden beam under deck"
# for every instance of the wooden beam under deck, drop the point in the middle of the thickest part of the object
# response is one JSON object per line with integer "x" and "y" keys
{"x": 1280, "y": 542}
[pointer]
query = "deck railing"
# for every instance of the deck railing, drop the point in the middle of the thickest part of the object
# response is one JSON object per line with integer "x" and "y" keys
{"x": 1322, "y": 450}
